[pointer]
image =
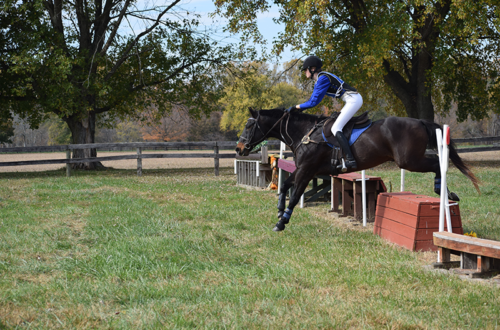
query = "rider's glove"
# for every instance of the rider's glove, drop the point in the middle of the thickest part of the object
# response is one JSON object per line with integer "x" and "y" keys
{"x": 291, "y": 109}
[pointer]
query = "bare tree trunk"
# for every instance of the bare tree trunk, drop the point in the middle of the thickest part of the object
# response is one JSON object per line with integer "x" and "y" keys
{"x": 83, "y": 132}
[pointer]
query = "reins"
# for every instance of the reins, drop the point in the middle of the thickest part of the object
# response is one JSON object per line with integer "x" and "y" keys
{"x": 265, "y": 134}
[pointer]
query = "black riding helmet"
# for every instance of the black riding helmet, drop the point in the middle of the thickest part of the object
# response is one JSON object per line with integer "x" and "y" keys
{"x": 312, "y": 61}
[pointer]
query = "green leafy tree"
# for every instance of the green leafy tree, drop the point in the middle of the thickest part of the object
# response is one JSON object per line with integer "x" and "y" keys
{"x": 128, "y": 131}
{"x": 6, "y": 127}
{"x": 59, "y": 132}
{"x": 260, "y": 88}
{"x": 208, "y": 128}
{"x": 84, "y": 62}
{"x": 421, "y": 54}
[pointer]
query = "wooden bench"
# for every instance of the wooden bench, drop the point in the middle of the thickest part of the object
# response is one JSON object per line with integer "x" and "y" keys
{"x": 478, "y": 257}
{"x": 349, "y": 187}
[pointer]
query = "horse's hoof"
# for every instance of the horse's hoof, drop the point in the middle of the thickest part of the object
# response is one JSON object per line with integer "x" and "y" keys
{"x": 452, "y": 196}
{"x": 280, "y": 226}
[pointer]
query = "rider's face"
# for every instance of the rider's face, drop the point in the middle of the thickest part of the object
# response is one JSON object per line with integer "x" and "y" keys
{"x": 308, "y": 72}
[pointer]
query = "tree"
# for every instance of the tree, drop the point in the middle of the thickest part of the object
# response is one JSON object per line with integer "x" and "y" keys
{"x": 59, "y": 132}
{"x": 208, "y": 128}
{"x": 6, "y": 127}
{"x": 259, "y": 87}
{"x": 84, "y": 62}
{"x": 26, "y": 136}
{"x": 158, "y": 127}
{"x": 128, "y": 131}
{"x": 422, "y": 54}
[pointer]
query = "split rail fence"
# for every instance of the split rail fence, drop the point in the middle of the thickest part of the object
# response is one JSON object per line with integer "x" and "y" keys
{"x": 138, "y": 146}
{"x": 215, "y": 146}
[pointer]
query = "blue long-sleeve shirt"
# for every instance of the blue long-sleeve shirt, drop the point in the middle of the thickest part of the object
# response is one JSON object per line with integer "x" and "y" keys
{"x": 319, "y": 92}
{"x": 327, "y": 84}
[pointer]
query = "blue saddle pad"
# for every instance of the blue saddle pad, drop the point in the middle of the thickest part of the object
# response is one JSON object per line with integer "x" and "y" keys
{"x": 356, "y": 132}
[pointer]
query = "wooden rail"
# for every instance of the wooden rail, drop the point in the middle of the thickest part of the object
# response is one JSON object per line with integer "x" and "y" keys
{"x": 141, "y": 146}
{"x": 478, "y": 257}
{"x": 138, "y": 146}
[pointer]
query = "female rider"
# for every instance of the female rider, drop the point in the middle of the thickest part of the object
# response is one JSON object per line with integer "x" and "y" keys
{"x": 331, "y": 85}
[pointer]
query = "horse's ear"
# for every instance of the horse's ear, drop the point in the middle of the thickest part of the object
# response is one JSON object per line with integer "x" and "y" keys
{"x": 253, "y": 112}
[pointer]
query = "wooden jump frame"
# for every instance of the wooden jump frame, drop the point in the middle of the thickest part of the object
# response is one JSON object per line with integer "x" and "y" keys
{"x": 478, "y": 257}
{"x": 252, "y": 170}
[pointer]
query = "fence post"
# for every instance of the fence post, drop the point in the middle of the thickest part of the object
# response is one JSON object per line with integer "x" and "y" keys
{"x": 139, "y": 161}
{"x": 216, "y": 159}
{"x": 68, "y": 165}
{"x": 264, "y": 155}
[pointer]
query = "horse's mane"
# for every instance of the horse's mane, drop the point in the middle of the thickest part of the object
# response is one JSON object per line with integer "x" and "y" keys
{"x": 300, "y": 116}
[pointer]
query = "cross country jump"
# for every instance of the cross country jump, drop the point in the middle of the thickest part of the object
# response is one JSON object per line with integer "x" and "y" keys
{"x": 402, "y": 140}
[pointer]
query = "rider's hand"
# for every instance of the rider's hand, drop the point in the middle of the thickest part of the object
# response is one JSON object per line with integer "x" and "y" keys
{"x": 291, "y": 109}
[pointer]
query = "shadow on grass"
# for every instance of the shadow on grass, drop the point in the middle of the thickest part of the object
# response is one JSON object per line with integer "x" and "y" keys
{"x": 110, "y": 171}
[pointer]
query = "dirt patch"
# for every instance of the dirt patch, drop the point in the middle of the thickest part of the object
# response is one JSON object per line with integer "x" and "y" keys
{"x": 148, "y": 163}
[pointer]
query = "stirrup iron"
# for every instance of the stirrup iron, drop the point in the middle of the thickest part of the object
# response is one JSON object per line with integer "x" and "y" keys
{"x": 342, "y": 167}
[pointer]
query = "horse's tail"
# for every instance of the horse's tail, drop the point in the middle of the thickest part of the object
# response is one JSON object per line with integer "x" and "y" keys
{"x": 455, "y": 158}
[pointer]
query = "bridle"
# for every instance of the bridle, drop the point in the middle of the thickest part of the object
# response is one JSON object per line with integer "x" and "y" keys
{"x": 256, "y": 125}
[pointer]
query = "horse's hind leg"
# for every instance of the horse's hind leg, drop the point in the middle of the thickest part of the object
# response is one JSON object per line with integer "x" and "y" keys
{"x": 285, "y": 186}
{"x": 425, "y": 165}
{"x": 302, "y": 179}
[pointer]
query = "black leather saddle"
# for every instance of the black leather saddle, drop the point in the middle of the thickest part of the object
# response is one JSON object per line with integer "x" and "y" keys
{"x": 360, "y": 121}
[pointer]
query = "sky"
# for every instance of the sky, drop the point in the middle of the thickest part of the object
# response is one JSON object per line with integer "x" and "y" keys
{"x": 267, "y": 27}
{"x": 204, "y": 8}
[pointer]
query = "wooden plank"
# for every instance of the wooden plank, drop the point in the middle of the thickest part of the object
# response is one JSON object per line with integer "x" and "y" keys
{"x": 444, "y": 255}
{"x": 287, "y": 165}
{"x": 139, "y": 162}
{"x": 103, "y": 159}
{"x": 68, "y": 166}
{"x": 354, "y": 176}
{"x": 425, "y": 246}
{"x": 193, "y": 155}
{"x": 473, "y": 245}
{"x": 210, "y": 144}
{"x": 227, "y": 156}
{"x": 216, "y": 160}
{"x": 427, "y": 234}
{"x": 264, "y": 155}
{"x": 412, "y": 220}
{"x": 251, "y": 157}
{"x": 478, "y": 139}
{"x": 128, "y": 145}
{"x": 337, "y": 189}
{"x": 394, "y": 238}
{"x": 418, "y": 205}
{"x": 390, "y": 200}
{"x": 480, "y": 149}
{"x": 410, "y": 244}
{"x": 397, "y": 227}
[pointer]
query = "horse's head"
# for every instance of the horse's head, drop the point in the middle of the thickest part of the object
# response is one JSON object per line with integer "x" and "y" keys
{"x": 252, "y": 134}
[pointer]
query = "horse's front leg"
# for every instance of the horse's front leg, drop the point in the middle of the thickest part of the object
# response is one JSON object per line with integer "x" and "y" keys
{"x": 285, "y": 186}
{"x": 301, "y": 182}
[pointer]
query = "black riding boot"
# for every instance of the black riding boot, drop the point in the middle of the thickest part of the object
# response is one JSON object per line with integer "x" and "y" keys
{"x": 344, "y": 144}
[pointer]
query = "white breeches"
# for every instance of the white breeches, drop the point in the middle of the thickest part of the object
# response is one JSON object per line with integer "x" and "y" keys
{"x": 352, "y": 104}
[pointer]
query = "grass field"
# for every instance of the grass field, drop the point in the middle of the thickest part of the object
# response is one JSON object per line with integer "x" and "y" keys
{"x": 185, "y": 249}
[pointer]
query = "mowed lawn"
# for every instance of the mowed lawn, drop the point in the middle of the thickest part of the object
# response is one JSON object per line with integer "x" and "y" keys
{"x": 185, "y": 249}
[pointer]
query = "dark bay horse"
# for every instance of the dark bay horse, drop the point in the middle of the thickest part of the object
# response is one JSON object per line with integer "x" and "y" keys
{"x": 402, "y": 140}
